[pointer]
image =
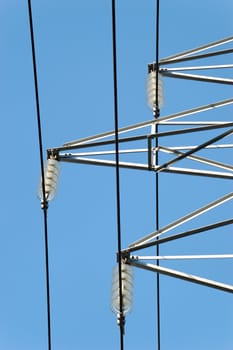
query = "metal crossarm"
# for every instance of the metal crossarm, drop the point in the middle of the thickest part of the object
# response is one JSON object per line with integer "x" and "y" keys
{"x": 179, "y": 236}
{"x": 196, "y": 77}
{"x": 184, "y": 219}
{"x": 199, "y": 49}
{"x": 211, "y": 106}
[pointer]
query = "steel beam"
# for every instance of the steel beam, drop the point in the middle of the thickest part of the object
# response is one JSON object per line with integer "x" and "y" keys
{"x": 177, "y": 69}
{"x": 198, "y": 148}
{"x": 181, "y": 235}
{"x": 196, "y": 77}
{"x": 183, "y": 219}
{"x": 199, "y": 159}
{"x": 196, "y": 57}
{"x": 184, "y": 276}
{"x": 133, "y": 127}
{"x": 199, "y": 49}
{"x": 181, "y": 257}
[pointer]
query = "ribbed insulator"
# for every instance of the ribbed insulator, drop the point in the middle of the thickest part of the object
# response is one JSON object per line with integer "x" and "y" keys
{"x": 127, "y": 289}
{"x": 51, "y": 174}
{"x": 151, "y": 90}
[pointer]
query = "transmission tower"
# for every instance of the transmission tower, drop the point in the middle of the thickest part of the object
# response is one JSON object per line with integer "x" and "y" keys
{"x": 190, "y": 143}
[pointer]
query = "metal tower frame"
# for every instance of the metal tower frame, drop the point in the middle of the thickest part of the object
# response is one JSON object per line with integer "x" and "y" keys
{"x": 138, "y": 142}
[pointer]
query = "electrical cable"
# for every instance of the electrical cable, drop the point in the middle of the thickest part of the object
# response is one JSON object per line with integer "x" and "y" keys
{"x": 156, "y": 115}
{"x": 114, "y": 50}
{"x": 44, "y": 203}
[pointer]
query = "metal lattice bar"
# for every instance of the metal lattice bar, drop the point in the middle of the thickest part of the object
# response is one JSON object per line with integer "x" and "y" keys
{"x": 198, "y": 148}
{"x": 184, "y": 276}
{"x": 140, "y": 166}
{"x": 184, "y": 219}
{"x": 181, "y": 235}
{"x": 202, "y": 78}
{"x": 196, "y": 57}
{"x": 177, "y": 69}
{"x": 134, "y": 127}
{"x": 199, "y": 49}
{"x": 182, "y": 257}
{"x": 199, "y": 159}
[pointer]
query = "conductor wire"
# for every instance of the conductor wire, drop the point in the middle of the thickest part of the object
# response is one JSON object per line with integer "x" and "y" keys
{"x": 114, "y": 50}
{"x": 44, "y": 203}
{"x": 156, "y": 115}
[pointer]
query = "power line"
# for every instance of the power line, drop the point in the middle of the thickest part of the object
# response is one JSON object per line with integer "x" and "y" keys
{"x": 121, "y": 313}
{"x": 156, "y": 115}
{"x": 44, "y": 202}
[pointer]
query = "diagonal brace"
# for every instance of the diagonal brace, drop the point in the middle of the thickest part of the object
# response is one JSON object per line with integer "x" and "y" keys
{"x": 196, "y": 149}
{"x": 184, "y": 276}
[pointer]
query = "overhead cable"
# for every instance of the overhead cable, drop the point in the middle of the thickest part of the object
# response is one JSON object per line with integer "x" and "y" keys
{"x": 44, "y": 203}
{"x": 121, "y": 318}
{"x": 157, "y": 115}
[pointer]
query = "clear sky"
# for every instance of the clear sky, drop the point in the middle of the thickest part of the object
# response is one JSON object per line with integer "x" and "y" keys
{"x": 74, "y": 57}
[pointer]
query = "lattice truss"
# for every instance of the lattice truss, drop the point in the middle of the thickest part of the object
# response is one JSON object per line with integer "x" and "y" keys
{"x": 205, "y": 159}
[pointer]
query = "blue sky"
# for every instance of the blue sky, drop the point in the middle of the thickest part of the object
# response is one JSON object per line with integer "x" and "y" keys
{"x": 74, "y": 57}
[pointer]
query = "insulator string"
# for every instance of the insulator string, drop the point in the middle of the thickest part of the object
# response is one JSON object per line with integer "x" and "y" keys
{"x": 51, "y": 175}
{"x": 154, "y": 91}
{"x": 127, "y": 288}
{"x": 121, "y": 314}
{"x": 44, "y": 203}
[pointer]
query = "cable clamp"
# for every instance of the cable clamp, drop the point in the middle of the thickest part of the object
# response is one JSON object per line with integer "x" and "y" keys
{"x": 53, "y": 153}
{"x": 44, "y": 204}
{"x": 124, "y": 255}
{"x": 121, "y": 321}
